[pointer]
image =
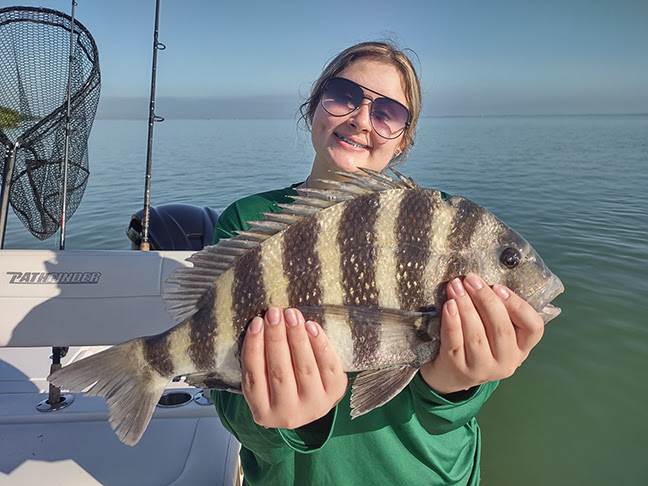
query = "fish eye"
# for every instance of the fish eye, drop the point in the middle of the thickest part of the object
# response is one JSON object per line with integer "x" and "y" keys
{"x": 511, "y": 258}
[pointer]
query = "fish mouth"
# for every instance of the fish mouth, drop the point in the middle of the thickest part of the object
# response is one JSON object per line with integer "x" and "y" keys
{"x": 541, "y": 299}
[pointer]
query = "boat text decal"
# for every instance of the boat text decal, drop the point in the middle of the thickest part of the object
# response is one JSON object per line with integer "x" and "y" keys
{"x": 54, "y": 277}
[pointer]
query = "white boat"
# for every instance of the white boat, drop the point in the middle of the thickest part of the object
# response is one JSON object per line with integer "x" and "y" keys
{"x": 80, "y": 302}
{"x": 87, "y": 300}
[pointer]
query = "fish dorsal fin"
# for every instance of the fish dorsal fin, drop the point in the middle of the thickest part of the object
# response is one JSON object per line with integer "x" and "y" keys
{"x": 209, "y": 263}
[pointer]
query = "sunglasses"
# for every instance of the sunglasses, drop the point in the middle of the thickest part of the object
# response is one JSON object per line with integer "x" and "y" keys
{"x": 389, "y": 118}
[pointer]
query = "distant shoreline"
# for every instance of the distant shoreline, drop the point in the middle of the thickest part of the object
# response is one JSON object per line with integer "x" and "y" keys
{"x": 285, "y": 107}
{"x": 423, "y": 117}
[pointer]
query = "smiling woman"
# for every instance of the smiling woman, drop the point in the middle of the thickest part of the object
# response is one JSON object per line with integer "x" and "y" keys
{"x": 389, "y": 75}
{"x": 349, "y": 142}
{"x": 293, "y": 418}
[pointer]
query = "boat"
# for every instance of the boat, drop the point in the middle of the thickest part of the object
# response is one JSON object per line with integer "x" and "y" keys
{"x": 58, "y": 306}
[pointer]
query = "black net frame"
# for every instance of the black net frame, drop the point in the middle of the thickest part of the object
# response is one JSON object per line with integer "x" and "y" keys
{"x": 35, "y": 64}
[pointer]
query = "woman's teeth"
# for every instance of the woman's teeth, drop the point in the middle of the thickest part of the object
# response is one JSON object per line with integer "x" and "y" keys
{"x": 351, "y": 142}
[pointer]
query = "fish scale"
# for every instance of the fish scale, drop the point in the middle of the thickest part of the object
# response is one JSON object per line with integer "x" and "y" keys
{"x": 368, "y": 258}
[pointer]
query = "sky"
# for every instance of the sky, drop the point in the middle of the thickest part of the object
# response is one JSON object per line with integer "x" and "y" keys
{"x": 244, "y": 58}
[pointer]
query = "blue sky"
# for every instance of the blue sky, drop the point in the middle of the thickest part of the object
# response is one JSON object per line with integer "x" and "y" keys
{"x": 476, "y": 57}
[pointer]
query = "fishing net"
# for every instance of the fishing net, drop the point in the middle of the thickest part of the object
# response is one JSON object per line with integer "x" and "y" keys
{"x": 35, "y": 63}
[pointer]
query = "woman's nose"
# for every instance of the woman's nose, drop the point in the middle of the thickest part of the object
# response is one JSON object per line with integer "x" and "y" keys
{"x": 361, "y": 116}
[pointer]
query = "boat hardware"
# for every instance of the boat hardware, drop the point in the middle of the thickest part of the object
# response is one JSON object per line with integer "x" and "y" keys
{"x": 174, "y": 399}
{"x": 202, "y": 398}
{"x": 56, "y": 400}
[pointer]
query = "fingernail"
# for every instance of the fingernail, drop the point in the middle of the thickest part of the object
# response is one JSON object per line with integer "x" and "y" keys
{"x": 273, "y": 316}
{"x": 451, "y": 305}
{"x": 474, "y": 281}
{"x": 291, "y": 317}
{"x": 501, "y": 291}
{"x": 256, "y": 325}
{"x": 312, "y": 328}
{"x": 458, "y": 287}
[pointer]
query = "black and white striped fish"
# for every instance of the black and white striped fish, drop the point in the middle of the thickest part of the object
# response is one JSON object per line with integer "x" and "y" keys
{"x": 369, "y": 259}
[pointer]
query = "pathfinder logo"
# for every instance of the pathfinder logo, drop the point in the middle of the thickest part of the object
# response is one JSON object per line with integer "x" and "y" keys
{"x": 54, "y": 277}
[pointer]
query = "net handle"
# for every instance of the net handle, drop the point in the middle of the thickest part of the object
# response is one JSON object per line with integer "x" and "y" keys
{"x": 66, "y": 150}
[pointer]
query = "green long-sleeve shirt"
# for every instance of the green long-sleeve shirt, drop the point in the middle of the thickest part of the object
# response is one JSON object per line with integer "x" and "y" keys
{"x": 419, "y": 437}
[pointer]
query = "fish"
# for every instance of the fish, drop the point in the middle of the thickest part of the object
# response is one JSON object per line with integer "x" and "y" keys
{"x": 368, "y": 258}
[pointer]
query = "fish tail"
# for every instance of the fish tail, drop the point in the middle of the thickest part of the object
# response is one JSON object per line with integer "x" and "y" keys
{"x": 123, "y": 377}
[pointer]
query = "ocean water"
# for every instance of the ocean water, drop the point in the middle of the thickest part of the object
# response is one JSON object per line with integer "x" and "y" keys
{"x": 574, "y": 186}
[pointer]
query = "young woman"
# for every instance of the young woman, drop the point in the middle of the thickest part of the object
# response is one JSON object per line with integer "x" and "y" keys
{"x": 293, "y": 418}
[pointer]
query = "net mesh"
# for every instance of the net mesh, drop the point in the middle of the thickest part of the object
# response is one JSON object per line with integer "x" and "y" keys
{"x": 34, "y": 68}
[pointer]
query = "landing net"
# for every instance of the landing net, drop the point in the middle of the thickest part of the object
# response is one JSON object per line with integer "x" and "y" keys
{"x": 34, "y": 68}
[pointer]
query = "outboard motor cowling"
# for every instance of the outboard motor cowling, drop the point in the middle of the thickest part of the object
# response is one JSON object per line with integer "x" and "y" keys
{"x": 175, "y": 227}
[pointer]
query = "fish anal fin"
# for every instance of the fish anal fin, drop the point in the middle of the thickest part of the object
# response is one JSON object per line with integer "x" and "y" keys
{"x": 211, "y": 380}
{"x": 373, "y": 388}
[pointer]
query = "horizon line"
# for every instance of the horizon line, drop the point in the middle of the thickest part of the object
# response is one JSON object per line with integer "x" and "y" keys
{"x": 482, "y": 115}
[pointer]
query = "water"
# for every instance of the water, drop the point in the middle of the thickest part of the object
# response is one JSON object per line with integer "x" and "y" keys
{"x": 574, "y": 413}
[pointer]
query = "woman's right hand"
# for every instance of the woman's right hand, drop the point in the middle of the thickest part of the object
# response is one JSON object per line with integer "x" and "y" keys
{"x": 292, "y": 376}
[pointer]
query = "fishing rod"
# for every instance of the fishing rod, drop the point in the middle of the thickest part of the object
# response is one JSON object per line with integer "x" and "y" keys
{"x": 5, "y": 189}
{"x": 145, "y": 245}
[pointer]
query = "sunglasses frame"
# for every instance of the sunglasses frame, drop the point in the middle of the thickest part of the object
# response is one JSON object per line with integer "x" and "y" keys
{"x": 371, "y": 102}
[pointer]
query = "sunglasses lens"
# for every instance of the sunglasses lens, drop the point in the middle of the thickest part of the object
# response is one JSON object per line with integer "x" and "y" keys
{"x": 388, "y": 117}
{"x": 341, "y": 97}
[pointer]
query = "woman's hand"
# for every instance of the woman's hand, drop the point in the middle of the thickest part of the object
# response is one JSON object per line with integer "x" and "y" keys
{"x": 291, "y": 374}
{"x": 486, "y": 334}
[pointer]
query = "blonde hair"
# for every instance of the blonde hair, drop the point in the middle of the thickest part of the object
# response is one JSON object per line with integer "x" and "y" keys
{"x": 381, "y": 52}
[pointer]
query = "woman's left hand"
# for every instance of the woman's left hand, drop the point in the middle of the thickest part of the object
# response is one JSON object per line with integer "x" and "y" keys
{"x": 486, "y": 334}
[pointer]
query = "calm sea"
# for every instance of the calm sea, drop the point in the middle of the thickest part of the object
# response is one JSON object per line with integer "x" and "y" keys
{"x": 575, "y": 187}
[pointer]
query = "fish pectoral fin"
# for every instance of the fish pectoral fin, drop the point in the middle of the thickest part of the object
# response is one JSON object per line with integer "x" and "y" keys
{"x": 396, "y": 322}
{"x": 373, "y": 388}
{"x": 399, "y": 328}
{"x": 211, "y": 380}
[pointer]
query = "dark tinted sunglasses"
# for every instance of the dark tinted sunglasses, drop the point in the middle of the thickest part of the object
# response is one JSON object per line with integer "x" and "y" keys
{"x": 389, "y": 118}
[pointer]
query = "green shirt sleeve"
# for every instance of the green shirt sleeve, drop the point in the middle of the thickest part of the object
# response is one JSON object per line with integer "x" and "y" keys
{"x": 439, "y": 414}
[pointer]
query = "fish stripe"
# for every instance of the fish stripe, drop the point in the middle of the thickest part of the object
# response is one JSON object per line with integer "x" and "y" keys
{"x": 328, "y": 253}
{"x": 202, "y": 329}
{"x": 386, "y": 242}
{"x": 301, "y": 264}
{"x": 156, "y": 353}
{"x": 227, "y": 331}
{"x": 248, "y": 291}
{"x": 436, "y": 267}
{"x": 414, "y": 222}
{"x": 179, "y": 344}
{"x": 357, "y": 258}
{"x": 465, "y": 222}
{"x": 357, "y": 243}
{"x": 274, "y": 280}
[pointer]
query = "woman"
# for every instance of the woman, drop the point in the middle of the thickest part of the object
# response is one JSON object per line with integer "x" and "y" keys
{"x": 293, "y": 418}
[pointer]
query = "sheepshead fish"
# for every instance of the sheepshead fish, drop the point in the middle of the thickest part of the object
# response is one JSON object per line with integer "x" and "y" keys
{"x": 368, "y": 258}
